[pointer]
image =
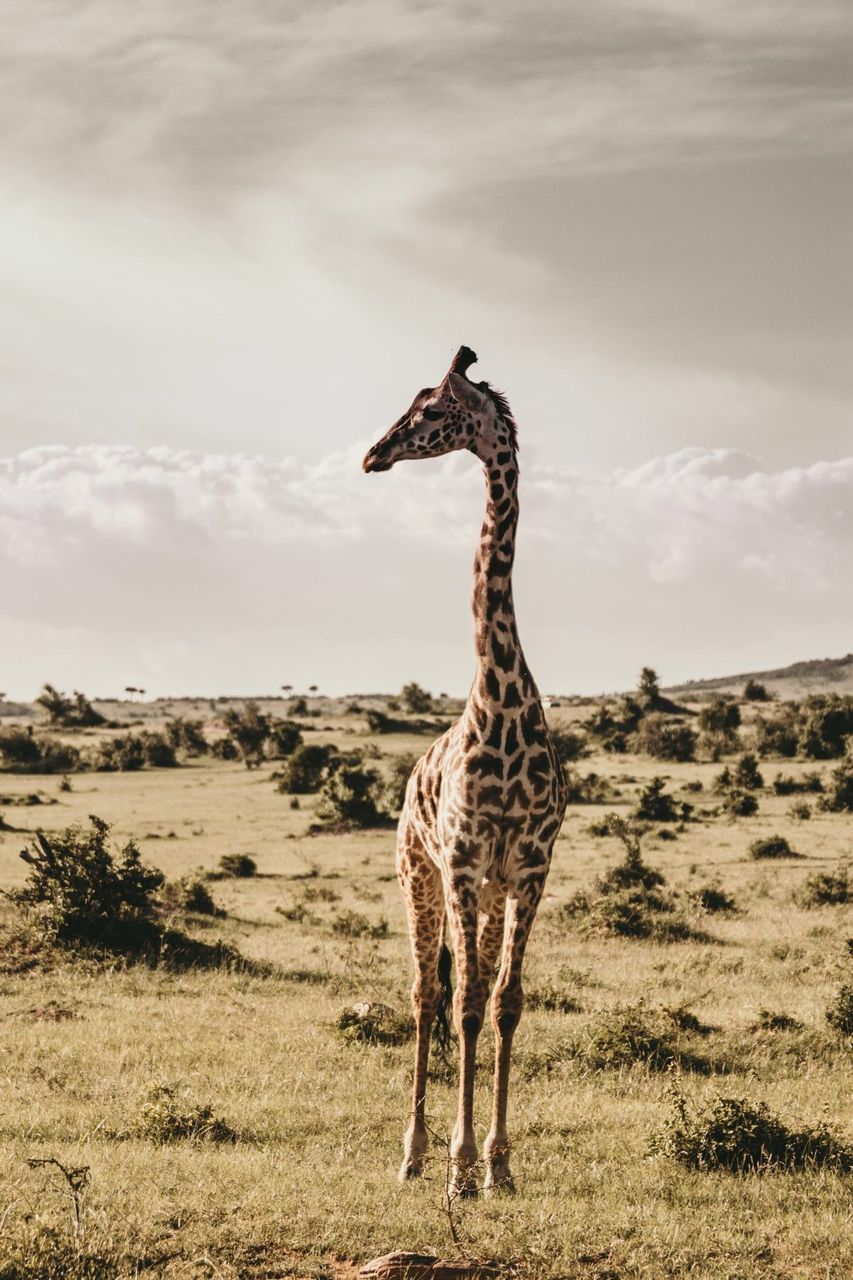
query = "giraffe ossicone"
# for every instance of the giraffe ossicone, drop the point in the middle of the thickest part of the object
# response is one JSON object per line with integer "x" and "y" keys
{"x": 485, "y": 803}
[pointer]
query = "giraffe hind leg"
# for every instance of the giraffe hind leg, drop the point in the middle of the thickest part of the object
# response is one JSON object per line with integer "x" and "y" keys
{"x": 423, "y": 893}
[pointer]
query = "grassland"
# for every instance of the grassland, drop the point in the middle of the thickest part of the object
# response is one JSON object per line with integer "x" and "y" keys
{"x": 308, "y": 1187}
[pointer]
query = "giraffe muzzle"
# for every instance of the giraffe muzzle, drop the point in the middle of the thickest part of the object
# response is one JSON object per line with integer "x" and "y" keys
{"x": 374, "y": 461}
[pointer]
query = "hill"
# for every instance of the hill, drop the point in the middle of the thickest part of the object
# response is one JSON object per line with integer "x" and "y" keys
{"x": 818, "y": 675}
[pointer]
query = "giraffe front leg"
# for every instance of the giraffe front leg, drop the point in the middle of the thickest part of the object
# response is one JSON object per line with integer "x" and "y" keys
{"x": 422, "y": 889}
{"x": 507, "y": 1002}
{"x": 469, "y": 1007}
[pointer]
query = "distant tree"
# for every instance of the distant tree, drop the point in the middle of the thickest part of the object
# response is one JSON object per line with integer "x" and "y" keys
{"x": 74, "y": 712}
{"x": 287, "y": 689}
{"x": 649, "y": 686}
{"x": 249, "y": 729}
{"x": 415, "y": 699}
{"x": 313, "y": 688}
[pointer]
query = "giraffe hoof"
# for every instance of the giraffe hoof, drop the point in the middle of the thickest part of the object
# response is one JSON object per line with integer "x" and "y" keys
{"x": 504, "y": 1186}
{"x": 467, "y": 1190}
{"x": 410, "y": 1169}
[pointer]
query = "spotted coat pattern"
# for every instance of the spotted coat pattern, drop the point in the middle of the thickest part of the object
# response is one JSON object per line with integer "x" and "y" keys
{"x": 485, "y": 803}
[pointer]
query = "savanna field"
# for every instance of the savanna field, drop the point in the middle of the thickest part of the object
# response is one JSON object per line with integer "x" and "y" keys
{"x": 235, "y": 1080}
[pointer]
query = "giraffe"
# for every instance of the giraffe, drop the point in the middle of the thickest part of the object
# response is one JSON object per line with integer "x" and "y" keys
{"x": 484, "y": 805}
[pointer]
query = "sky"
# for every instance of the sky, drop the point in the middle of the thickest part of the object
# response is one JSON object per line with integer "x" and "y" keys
{"x": 238, "y": 238}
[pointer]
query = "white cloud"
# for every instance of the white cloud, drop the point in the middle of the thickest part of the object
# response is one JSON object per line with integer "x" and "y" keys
{"x": 200, "y": 571}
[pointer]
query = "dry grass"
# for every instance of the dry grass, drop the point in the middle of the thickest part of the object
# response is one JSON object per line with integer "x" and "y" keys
{"x": 310, "y": 1181}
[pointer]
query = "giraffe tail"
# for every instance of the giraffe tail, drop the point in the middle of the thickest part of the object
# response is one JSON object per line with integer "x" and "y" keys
{"x": 442, "y": 1030}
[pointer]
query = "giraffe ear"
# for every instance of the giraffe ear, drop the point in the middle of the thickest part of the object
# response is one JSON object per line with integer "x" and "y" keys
{"x": 469, "y": 396}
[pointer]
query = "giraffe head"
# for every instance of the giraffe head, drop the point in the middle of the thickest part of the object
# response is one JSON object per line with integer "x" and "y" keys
{"x": 457, "y": 414}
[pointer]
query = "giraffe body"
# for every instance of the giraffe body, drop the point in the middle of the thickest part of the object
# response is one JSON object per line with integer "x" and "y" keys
{"x": 485, "y": 803}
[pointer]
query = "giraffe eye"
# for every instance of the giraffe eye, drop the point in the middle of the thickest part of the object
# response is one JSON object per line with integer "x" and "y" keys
{"x": 432, "y": 415}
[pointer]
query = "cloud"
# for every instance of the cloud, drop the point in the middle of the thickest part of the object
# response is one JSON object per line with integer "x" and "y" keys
{"x": 209, "y": 571}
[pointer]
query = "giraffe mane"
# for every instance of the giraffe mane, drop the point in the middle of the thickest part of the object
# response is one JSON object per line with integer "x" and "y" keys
{"x": 501, "y": 403}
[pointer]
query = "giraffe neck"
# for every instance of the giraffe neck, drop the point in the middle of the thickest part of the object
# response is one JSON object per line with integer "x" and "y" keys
{"x": 502, "y": 677}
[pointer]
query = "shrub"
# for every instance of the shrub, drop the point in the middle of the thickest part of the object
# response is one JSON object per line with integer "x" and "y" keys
{"x": 305, "y": 770}
{"x": 826, "y": 888}
{"x": 839, "y": 1015}
{"x": 373, "y": 1023}
{"x": 165, "y": 1117}
{"x": 755, "y": 692}
{"x": 787, "y": 785}
{"x": 285, "y": 737}
{"x": 839, "y": 793}
{"x": 746, "y": 773}
{"x": 394, "y": 790}
{"x": 352, "y": 924}
{"x": 740, "y": 804}
{"x": 239, "y": 865}
{"x": 131, "y": 751}
{"x": 628, "y": 900}
{"x": 721, "y": 715}
{"x": 826, "y": 724}
{"x": 225, "y": 749}
{"x": 777, "y": 735}
{"x": 298, "y": 707}
{"x": 771, "y": 847}
{"x": 190, "y": 893}
{"x": 713, "y": 899}
{"x": 415, "y": 699}
{"x": 351, "y": 793}
{"x": 159, "y": 752}
{"x": 800, "y": 811}
{"x": 75, "y": 712}
{"x": 249, "y": 729}
{"x": 629, "y": 1034}
{"x": 187, "y": 735}
{"x": 655, "y": 805}
{"x": 568, "y": 745}
{"x": 587, "y": 789}
{"x": 88, "y": 895}
{"x": 739, "y": 1136}
{"x": 665, "y": 739}
{"x": 22, "y": 752}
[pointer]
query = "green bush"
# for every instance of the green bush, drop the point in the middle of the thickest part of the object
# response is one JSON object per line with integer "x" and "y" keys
{"x": 738, "y": 1136}
{"x": 787, "y": 785}
{"x": 721, "y": 715}
{"x": 75, "y": 712}
{"x": 839, "y": 793}
{"x": 568, "y": 744}
{"x": 826, "y": 888}
{"x": 352, "y": 924}
{"x": 778, "y": 735}
{"x": 394, "y": 790}
{"x": 351, "y": 793}
{"x": 800, "y": 811}
{"x": 771, "y": 847}
{"x": 655, "y": 805}
{"x": 239, "y": 865}
{"x": 746, "y": 773}
{"x": 248, "y": 728}
{"x": 713, "y": 899}
{"x": 21, "y": 751}
{"x": 755, "y": 692}
{"x": 629, "y": 1034}
{"x": 187, "y": 735}
{"x": 225, "y": 749}
{"x": 665, "y": 739}
{"x": 88, "y": 896}
{"x": 190, "y": 893}
{"x": 306, "y": 769}
{"x": 370, "y": 1022}
{"x": 130, "y": 751}
{"x": 839, "y": 1015}
{"x": 285, "y": 737}
{"x": 588, "y": 788}
{"x": 166, "y": 1117}
{"x": 826, "y": 724}
{"x": 416, "y": 700}
{"x": 740, "y": 804}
